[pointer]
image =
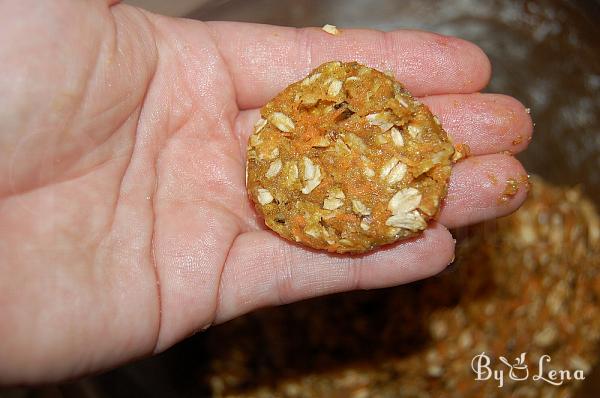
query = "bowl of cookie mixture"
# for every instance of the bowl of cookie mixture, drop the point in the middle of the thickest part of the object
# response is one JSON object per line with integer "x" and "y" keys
{"x": 518, "y": 312}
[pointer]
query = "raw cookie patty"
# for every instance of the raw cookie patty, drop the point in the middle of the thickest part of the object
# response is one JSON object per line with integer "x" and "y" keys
{"x": 347, "y": 160}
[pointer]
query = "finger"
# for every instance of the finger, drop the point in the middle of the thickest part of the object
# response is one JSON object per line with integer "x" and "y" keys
{"x": 263, "y": 269}
{"x": 481, "y": 188}
{"x": 488, "y": 123}
{"x": 264, "y": 59}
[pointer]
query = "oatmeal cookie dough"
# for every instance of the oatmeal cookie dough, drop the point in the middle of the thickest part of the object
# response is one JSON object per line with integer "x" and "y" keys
{"x": 347, "y": 160}
{"x": 528, "y": 282}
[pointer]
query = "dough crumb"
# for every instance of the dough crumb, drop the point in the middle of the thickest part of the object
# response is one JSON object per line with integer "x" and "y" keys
{"x": 331, "y": 29}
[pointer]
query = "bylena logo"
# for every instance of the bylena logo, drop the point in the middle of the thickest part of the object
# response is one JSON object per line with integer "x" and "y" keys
{"x": 518, "y": 370}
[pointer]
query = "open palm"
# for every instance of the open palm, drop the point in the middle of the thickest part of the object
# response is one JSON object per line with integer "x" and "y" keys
{"x": 124, "y": 220}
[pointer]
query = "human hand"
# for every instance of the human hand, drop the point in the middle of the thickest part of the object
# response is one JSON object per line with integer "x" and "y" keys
{"x": 124, "y": 220}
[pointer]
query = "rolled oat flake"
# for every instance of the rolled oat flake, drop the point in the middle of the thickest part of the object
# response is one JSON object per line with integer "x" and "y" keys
{"x": 347, "y": 160}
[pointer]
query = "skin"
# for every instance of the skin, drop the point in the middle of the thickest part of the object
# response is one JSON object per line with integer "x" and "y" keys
{"x": 124, "y": 220}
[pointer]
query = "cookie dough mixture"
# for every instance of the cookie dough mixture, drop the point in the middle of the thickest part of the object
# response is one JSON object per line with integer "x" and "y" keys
{"x": 529, "y": 282}
{"x": 347, "y": 160}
